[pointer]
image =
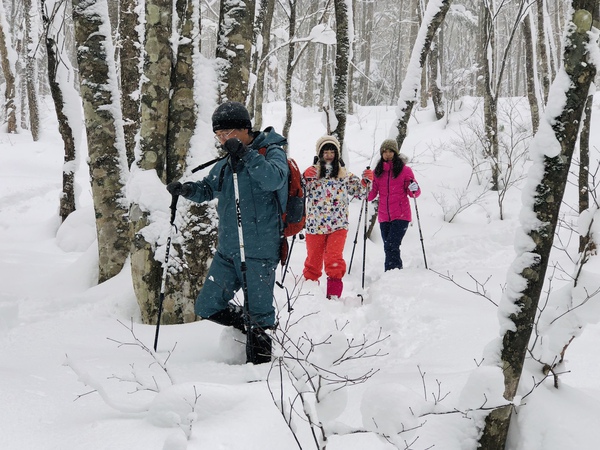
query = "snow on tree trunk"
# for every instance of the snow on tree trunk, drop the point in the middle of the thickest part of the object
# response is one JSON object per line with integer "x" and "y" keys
{"x": 234, "y": 46}
{"x": 106, "y": 147}
{"x": 8, "y": 59}
{"x": 130, "y": 58}
{"x": 63, "y": 94}
{"x": 551, "y": 151}
{"x": 151, "y": 162}
{"x": 432, "y": 20}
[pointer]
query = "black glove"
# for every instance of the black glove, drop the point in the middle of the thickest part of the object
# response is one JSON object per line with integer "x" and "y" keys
{"x": 176, "y": 188}
{"x": 235, "y": 148}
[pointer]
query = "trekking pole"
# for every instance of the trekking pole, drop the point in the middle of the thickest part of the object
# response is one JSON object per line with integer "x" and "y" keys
{"x": 365, "y": 244}
{"x": 358, "y": 228}
{"x": 238, "y": 213}
{"x": 420, "y": 232}
{"x": 208, "y": 163}
{"x": 163, "y": 283}
{"x": 362, "y": 207}
{"x": 287, "y": 263}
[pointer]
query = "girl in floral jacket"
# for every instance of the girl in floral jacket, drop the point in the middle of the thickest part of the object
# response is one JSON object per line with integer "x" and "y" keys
{"x": 394, "y": 182}
{"x": 329, "y": 189}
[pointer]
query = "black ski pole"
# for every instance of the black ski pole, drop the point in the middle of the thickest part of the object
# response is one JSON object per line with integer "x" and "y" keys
{"x": 420, "y": 232}
{"x": 287, "y": 263}
{"x": 208, "y": 163}
{"x": 362, "y": 207}
{"x": 365, "y": 244}
{"x": 357, "y": 229}
{"x": 249, "y": 347}
{"x": 163, "y": 283}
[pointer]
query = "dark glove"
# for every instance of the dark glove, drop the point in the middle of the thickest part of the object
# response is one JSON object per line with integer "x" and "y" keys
{"x": 176, "y": 188}
{"x": 235, "y": 148}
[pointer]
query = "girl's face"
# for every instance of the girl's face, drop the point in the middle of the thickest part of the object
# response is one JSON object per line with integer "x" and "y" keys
{"x": 328, "y": 156}
{"x": 387, "y": 155}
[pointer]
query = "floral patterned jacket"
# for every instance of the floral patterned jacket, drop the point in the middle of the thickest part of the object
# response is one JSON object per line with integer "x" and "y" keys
{"x": 327, "y": 201}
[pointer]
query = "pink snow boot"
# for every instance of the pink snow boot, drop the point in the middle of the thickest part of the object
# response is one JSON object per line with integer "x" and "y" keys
{"x": 334, "y": 287}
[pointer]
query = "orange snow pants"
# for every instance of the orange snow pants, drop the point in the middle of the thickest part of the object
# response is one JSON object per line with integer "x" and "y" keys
{"x": 325, "y": 249}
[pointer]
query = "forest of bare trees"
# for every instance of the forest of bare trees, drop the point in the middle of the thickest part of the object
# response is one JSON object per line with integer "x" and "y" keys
{"x": 134, "y": 68}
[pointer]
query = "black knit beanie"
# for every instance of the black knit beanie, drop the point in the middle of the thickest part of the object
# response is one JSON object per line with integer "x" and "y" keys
{"x": 231, "y": 116}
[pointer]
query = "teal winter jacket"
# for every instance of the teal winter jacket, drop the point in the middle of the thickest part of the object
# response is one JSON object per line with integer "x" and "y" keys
{"x": 262, "y": 183}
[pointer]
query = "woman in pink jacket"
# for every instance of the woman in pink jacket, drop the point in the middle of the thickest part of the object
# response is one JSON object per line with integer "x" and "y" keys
{"x": 393, "y": 182}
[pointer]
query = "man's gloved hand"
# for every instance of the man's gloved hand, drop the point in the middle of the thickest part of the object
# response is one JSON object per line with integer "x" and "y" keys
{"x": 367, "y": 177}
{"x": 176, "y": 188}
{"x": 235, "y": 148}
{"x": 310, "y": 173}
{"x": 413, "y": 186}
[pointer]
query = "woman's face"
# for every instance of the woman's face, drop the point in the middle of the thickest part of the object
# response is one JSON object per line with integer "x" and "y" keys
{"x": 328, "y": 156}
{"x": 387, "y": 155}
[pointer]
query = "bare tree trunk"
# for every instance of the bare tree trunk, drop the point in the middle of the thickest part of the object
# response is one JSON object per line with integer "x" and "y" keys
{"x": 106, "y": 146}
{"x": 8, "y": 70}
{"x": 408, "y": 94}
{"x": 234, "y": 46}
{"x": 290, "y": 69}
{"x": 67, "y": 199}
{"x": 542, "y": 43}
{"x": 146, "y": 270}
{"x": 342, "y": 61}
{"x": 131, "y": 60}
{"x": 31, "y": 71}
{"x": 584, "y": 167}
{"x": 434, "y": 83}
{"x": 366, "y": 49}
{"x": 547, "y": 199}
{"x": 530, "y": 74}
{"x": 262, "y": 68}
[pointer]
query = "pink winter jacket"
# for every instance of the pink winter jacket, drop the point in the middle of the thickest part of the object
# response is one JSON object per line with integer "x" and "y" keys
{"x": 393, "y": 194}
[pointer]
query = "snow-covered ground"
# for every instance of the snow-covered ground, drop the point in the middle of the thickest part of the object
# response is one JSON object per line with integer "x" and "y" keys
{"x": 59, "y": 331}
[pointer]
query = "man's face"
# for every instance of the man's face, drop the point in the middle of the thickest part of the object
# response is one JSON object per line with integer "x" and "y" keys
{"x": 242, "y": 134}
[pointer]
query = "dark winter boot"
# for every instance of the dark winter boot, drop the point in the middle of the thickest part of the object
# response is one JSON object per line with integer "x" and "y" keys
{"x": 258, "y": 346}
{"x": 232, "y": 316}
{"x": 334, "y": 287}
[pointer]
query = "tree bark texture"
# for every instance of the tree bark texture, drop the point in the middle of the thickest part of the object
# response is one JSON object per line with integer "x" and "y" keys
{"x": 106, "y": 158}
{"x": 9, "y": 74}
{"x": 548, "y": 198}
{"x": 259, "y": 87}
{"x": 155, "y": 89}
{"x": 234, "y": 46}
{"x": 342, "y": 61}
{"x": 532, "y": 94}
{"x": 290, "y": 69}
{"x": 131, "y": 60}
{"x": 31, "y": 72}
{"x": 408, "y": 104}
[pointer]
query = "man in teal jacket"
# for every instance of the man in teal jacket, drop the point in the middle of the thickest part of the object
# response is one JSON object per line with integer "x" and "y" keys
{"x": 262, "y": 183}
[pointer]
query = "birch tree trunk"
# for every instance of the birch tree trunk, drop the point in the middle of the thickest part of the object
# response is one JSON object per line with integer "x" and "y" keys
{"x": 8, "y": 70}
{"x": 530, "y": 77}
{"x": 130, "y": 58}
{"x": 290, "y": 69}
{"x": 234, "y": 46}
{"x": 433, "y": 19}
{"x": 523, "y": 299}
{"x": 146, "y": 270}
{"x": 31, "y": 70}
{"x": 262, "y": 66}
{"x": 106, "y": 146}
{"x": 342, "y": 61}
{"x": 54, "y": 58}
